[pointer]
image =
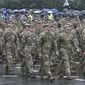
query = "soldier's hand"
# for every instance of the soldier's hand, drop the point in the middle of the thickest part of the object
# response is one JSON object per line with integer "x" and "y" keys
{"x": 18, "y": 49}
{"x": 78, "y": 50}
{"x": 57, "y": 53}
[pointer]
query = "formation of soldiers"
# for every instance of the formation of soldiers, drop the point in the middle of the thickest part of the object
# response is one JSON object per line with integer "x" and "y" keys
{"x": 59, "y": 41}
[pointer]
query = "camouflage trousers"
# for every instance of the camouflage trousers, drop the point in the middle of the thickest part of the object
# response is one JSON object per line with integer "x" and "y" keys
{"x": 82, "y": 62}
{"x": 64, "y": 63}
{"x": 45, "y": 66}
{"x": 9, "y": 64}
{"x": 26, "y": 63}
{"x": 10, "y": 58}
{"x": 1, "y": 58}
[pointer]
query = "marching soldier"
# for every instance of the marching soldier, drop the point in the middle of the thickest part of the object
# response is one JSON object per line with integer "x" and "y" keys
{"x": 65, "y": 43}
{"x": 10, "y": 47}
{"x": 25, "y": 49}
{"x": 46, "y": 43}
{"x": 1, "y": 44}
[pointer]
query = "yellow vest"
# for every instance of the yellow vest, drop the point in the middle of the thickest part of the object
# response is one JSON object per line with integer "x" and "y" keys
{"x": 50, "y": 17}
{"x": 30, "y": 17}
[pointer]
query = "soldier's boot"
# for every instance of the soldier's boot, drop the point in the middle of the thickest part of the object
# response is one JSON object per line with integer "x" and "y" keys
{"x": 72, "y": 68}
{"x": 9, "y": 65}
{"x": 42, "y": 75}
{"x": 61, "y": 76}
{"x": 69, "y": 77}
{"x": 6, "y": 70}
{"x": 61, "y": 73}
{"x": 23, "y": 68}
{"x": 68, "y": 72}
{"x": 73, "y": 71}
{"x": 33, "y": 73}
{"x": 50, "y": 77}
{"x": 25, "y": 71}
{"x": 9, "y": 71}
{"x": 1, "y": 60}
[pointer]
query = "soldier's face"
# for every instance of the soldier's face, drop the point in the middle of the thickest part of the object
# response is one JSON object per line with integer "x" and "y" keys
{"x": 68, "y": 30}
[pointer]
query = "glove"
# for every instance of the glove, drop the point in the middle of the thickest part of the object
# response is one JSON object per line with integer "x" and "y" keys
{"x": 78, "y": 50}
{"x": 57, "y": 53}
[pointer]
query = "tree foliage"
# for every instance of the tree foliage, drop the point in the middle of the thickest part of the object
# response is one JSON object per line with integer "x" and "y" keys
{"x": 75, "y": 4}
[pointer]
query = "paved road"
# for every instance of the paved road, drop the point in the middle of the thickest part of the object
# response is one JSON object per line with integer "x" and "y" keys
{"x": 22, "y": 81}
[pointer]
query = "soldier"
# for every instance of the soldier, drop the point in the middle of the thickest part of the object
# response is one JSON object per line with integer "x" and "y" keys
{"x": 46, "y": 44}
{"x": 10, "y": 47}
{"x": 25, "y": 49}
{"x": 82, "y": 61}
{"x": 15, "y": 29}
{"x": 1, "y": 44}
{"x": 65, "y": 43}
{"x": 54, "y": 52}
{"x": 76, "y": 35}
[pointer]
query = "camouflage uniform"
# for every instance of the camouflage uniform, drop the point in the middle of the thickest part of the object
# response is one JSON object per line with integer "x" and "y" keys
{"x": 46, "y": 40}
{"x": 82, "y": 60}
{"x": 1, "y": 44}
{"x": 10, "y": 47}
{"x": 75, "y": 54}
{"x": 65, "y": 43}
{"x": 25, "y": 49}
{"x": 16, "y": 32}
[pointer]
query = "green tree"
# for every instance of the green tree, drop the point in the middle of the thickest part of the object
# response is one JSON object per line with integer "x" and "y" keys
{"x": 75, "y": 4}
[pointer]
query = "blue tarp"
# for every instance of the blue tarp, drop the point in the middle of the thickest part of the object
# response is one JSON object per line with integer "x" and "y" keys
{"x": 16, "y": 11}
{"x": 69, "y": 13}
{"x": 83, "y": 12}
{"x": 45, "y": 9}
{"x": 8, "y": 10}
{"x": 55, "y": 10}
{"x": 50, "y": 12}
{"x": 56, "y": 14}
{"x": 62, "y": 13}
{"x": 2, "y": 9}
{"x": 76, "y": 13}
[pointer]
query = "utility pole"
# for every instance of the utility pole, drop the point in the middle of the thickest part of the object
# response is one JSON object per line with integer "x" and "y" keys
{"x": 66, "y": 5}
